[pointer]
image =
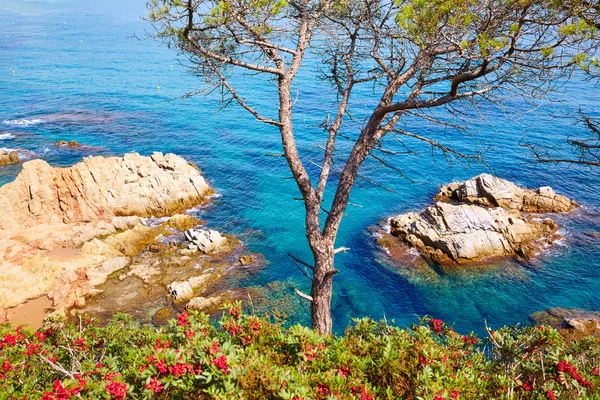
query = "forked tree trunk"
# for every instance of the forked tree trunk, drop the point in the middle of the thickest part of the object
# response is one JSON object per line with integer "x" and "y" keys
{"x": 322, "y": 286}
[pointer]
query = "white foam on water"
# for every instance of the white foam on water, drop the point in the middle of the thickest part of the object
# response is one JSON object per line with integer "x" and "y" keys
{"x": 22, "y": 122}
{"x": 6, "y": 136}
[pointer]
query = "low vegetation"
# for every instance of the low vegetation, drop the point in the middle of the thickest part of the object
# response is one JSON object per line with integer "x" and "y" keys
{"x": 248, "y": 357}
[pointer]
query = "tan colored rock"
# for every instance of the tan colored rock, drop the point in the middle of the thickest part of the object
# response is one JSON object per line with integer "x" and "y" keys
{"x": 123, "y": 223}
{"x": 185, "y": 290}
{"x": 132, "y": 241}
{"x": 56, "y": 222}
{"x": 488, "y": 191}
{"x": 64, "y": 143}
{"x": 100, "y": 274}
{"x": 468, "y": 233}
{"x": 204, "y": 303}
{"x": 100, "y": 188}
{"x": 9, "y": 157}
{"x": 183, "y": 222}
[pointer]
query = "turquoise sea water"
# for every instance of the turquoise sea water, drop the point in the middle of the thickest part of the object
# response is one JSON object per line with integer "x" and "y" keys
{"x": 77, "y": 70}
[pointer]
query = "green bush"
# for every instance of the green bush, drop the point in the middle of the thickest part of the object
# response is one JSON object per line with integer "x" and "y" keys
{"x": 254, "y": 358}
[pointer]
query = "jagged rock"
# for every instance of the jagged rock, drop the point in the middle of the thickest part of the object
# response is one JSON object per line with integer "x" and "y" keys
{"x": 56, "y": 221}
{"x": 488, "y": 191}
{"x": 143, "y": 271}
{"x": 185, "y": 290}
{"x": 9, "y": 157}
{"x": 181, "y": 290}
{"x": 466, "y": 233}
{"x": 205, "y": 240}
{"x": 97, "y": 247}
{"x": 481, "y": 218}
{"x": 100, "y": 188}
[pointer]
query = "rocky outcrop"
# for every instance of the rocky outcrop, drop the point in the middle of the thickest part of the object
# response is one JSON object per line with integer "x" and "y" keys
{"x": 63, "y": 231}
{"x": 572, "y": 323}
{"x": 9, "y": 157}
{"x": 101, "y": 188}
{"x": 488, "y": 191}
{"x": 205, "y": 240}
{"x": 479, "y": 219}
{"x": 184, "y": 290}
{"x": 465, "y": 233}
{"x": 71, "y": 143}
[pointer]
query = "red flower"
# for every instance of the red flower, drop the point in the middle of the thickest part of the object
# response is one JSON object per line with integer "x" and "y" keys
{"x": 565, "y": 367}
{"x": 160, "y": 345}
{"x": 180, "y": 369}
{"x": 58, "y": 392}
{"x": 436, "y": 324}
{"x": 526, "y": 387}
{"x": 41, "y": 336}
{"x": 161, "y": 365}
{"x": 182, "y": 319}
{"x": 190, "y": 334}
{"x": 550, "y": 395}
{"x": 214, "y": 348}
{"x": 155, "y": 385}
{"x": 31, "y": 349}
{"x": 454, "y": 394}
{"x": 117, "y": 389}
{"x": 221, "y": 363}
{"x": 6, "y": 366}
{"x": 235, "y": 312}
{"x": 344, "y": 372}
{"x": 323, "y": 389}
{"x": 10, "y": 340}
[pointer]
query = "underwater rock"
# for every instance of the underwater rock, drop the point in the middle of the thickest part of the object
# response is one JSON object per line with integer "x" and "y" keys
{"x": 9, "y": 157}
{"x": 71, "y": 143}
{"x": 204, "y": 303}
{"x": 488, "y": 191}
{"x": 205, "y": 240}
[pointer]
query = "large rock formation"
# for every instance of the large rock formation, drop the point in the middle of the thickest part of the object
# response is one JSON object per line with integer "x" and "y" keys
{"x": 464, "y": 233}
{"x": 100, "y": 188}
{"x": 65, "y": 230}
{"x": 479, "y": 219}
{"x": 488, "y": 191}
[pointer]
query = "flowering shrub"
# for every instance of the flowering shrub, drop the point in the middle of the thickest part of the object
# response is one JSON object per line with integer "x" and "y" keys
{"x": 253, "y": 358}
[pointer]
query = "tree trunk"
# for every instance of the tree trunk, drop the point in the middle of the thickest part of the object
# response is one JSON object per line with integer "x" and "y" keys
{"x": 322, "y": 286}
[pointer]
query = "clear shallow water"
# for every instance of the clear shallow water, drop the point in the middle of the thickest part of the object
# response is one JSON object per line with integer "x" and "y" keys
{"x": 74, "y": 70}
